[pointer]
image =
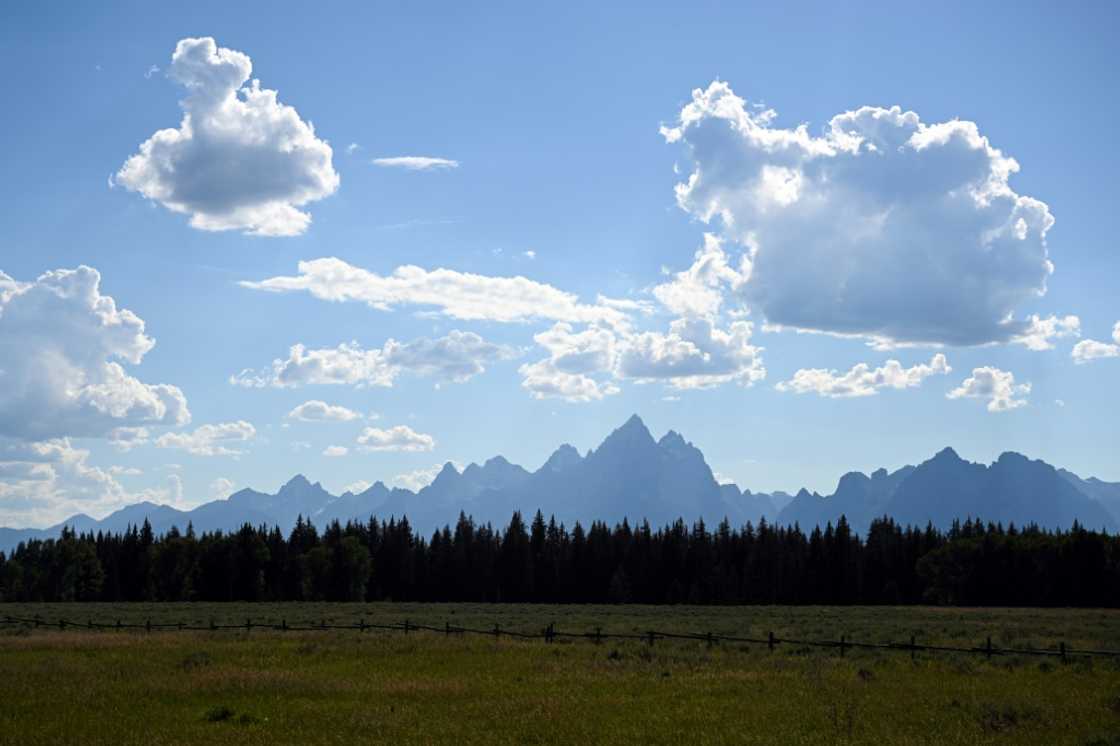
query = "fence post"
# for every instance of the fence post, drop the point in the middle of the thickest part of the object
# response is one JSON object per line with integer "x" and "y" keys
{"x": 843, "y": 646}
{"x": 180, "y": 626}
{"x": 362, "y": 624}
{"x": 913, "y": 649}
{"x": 988, "y": 649}
{"x": 61, "y": 624}
{"x": 283, "y": 625}
{"x": 36, "y": 621}
{"x": 213, "y": 626}
{"x": 248, "y": 625}
{"x": 406, "y": 626}
{"x": 1062, "y": 647}
{"x": 447, "y": 628}
{"x": 89, "y": 623}
{"x": 709, "y": 639}
{"x": 497, "y": 631}
{"x": 118, "y": 625}
{"x": 770, "y": 641}
{"x": 650, "y": 637}
{"x": 551, "y": 632}
{"x": 148, "y": 625}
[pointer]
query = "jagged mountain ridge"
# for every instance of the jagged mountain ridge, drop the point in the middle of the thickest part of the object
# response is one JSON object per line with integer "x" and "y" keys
{"x": 1013, "y": 489}
{"x": 631, "y": 475}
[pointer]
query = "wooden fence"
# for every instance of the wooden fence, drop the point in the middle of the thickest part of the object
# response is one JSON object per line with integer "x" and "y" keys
{"x": 550, "y": 634}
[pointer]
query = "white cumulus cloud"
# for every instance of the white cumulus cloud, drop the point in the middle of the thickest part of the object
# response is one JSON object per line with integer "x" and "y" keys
{"x": 239, "y": 159}
{"x": 543, "y": 380}
{"x": 210, "y": 440}
{"x": 862, "y": 380}
{"x": 995, "y": 385}
{"x": 699, "y": 290}
{"x": 694, "y": 353}
{"x": 1091, "y": 349}
{"x": 397, "y": 438}
{"x": 1040, "y": 331}
{"x": 335, "y": 451}
{"x": 62, "y": 345}
{"x": 319, "y": 411}
{"x": 883, "y": 227}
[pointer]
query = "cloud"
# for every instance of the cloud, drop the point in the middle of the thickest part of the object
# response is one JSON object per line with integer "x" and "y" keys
{"x": 239, "y": 160}
{"x": 694, "y": 353}
{"x": 529, "y": 254}
{"x": 417, "y": 479}
{"x": 861, "y": 380}
{"x": 1090, "y": 349}
{"x": 42, "y": 482}
{"x": 459, "y": 295}
{"x": 995, "y": 385}
{"x": 698, "y": 291}
{"x": 124, "y": 439}
{"x": 543, "y": 380}
{"x": 173, "y": 494}
{"x": 62, "y": 345}
{"x": 883, "y": 227}
{"x": 319, "y": 411}
{"x": 398, "y": 438}
{"x": 357, "y": 487}
{"x": 572, "y": 356}
{"x": 457, "y": 357}
{"x": 416, "y": 163}
{"x": 1040, "y": 331}
{"x": 335, "y": 451}
{"x": 151, "y": 71}
{"x": 210, "y": 440}
{"x": 353, "y": 148}
{"x": 221, "y": 487}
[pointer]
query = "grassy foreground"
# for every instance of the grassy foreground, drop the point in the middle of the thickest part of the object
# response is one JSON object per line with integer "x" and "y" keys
{"x": 347, "y": 687}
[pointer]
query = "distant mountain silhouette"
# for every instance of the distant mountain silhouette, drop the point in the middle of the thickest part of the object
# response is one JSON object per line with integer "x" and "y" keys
{"x": 1014, "y": 489}
{"x": 1106, "y": 493}
{"x": 631, "y": 475}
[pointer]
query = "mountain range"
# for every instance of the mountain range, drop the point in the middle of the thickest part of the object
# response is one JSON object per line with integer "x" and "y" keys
{"x": 632, "y": 475}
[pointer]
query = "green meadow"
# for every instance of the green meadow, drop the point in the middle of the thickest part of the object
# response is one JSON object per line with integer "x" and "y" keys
{"x": 264, "y": 686}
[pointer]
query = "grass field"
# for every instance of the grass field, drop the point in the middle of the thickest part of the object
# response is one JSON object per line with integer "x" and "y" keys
{"x": 351, "y": 687}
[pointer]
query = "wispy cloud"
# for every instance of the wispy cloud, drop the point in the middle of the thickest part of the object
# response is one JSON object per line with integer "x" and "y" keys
{"x": 416, "y": 163}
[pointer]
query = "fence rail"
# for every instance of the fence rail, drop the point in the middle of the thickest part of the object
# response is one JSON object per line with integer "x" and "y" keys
{"x": 549, "y": 634}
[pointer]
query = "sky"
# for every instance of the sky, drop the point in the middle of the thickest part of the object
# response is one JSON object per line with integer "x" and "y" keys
{"x": 361, "y": 241}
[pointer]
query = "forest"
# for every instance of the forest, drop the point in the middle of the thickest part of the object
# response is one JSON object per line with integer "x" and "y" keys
{"x": 973, "y": 563}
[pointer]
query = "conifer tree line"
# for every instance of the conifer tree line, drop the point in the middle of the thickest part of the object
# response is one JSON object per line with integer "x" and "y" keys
{"x": 971, "y": 564}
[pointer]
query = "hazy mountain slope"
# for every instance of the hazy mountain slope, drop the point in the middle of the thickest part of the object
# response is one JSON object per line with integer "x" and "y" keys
{"x": 1014, "y": 489}
{"x": 1106, "y": 493}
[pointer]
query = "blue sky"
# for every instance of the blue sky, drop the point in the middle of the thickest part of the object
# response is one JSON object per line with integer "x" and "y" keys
{"x": 565, "y": 127}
